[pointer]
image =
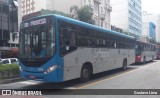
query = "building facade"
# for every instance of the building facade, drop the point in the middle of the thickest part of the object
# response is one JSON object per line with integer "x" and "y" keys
{"x": 155, "y": 19}
{"x": 8, "y": 24}
{"x": 31, "y": 6}
{"x": 149, "y": 30}
{"x": 101, "y": 8}
{"x": 127, "y": 15}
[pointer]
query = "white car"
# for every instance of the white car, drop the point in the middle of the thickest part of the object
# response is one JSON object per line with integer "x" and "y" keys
{"x": 9, "y": 61}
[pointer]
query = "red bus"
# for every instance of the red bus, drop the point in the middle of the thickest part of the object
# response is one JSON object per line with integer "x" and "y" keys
{"x": 145, "y": 52}
{"x": 158, "y": 51}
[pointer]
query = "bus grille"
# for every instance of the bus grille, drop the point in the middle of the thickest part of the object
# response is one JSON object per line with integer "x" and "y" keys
{"x": 34, "y": 62}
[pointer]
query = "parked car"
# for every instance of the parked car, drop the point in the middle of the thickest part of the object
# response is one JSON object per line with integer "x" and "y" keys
{"x": 9, "y": 61}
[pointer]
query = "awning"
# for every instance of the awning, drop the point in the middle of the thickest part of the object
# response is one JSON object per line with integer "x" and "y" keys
{"x": 14, "y": 50}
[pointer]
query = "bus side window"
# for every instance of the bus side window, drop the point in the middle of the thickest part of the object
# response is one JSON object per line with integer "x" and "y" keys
{"x": 115, "y": 45}
{"x": 72, "y": 39}
{"x": 67, "y": 40}
{"x": 86, "y": 37}
{"x": 142, "y": 48}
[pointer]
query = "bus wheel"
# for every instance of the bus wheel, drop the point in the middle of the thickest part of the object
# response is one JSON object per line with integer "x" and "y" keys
{"x": 85, "y": 74}
{"x": 124, "y": 66}
{"x": 144, "y": 60}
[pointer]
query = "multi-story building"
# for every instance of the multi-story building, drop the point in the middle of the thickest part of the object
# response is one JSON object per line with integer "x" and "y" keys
{"x": 149, "y": 30}
{"x": 8, "y": 24}
{"x": 127, "y": 15}
{"x": 31, "y": 6}
{"x": 101, "y": 8}
{"x": 155, "y": 19}
{"x": 28, "y": 6}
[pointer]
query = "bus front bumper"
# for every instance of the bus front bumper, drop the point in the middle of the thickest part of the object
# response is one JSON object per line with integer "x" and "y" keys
{"x": 40, "y": 76}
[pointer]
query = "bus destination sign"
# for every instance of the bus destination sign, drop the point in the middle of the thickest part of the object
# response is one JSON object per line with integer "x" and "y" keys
{"x": 35, "y": 22}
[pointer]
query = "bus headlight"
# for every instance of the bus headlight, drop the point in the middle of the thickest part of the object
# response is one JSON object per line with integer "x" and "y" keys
{"x": 139, "y": 56}
{"x": 50, "y": 69}
{"x": 20, "y": 68}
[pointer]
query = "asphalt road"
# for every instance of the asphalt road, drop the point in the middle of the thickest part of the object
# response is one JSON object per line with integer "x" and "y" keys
{"x": 145, "y": 76}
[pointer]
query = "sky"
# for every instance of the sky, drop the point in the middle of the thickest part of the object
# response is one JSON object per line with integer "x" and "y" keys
{"x": 151, "y": 6}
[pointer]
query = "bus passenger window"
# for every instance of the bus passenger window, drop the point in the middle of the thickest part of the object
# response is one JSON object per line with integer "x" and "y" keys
{"x": 115, "y": 45}
{"x": 68, "y": 40}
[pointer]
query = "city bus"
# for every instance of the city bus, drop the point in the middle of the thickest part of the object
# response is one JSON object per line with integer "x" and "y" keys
{"x": 158, "y": 51}
{"x": 145, "y": 52}
{"x": 73, "y": 49}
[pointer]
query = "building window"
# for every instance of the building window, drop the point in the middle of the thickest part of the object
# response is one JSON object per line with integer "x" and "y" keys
{"x": 134, "y": 4}
{"x": 101, "y": 23}
{"x": 84, "y": 1}
{"x": 96, "y": 7}
{"x": 89, "y": 2}
{"x": 101, "y": 9}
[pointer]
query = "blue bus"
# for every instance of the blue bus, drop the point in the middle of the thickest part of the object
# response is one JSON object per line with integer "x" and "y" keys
{"x": 55, "y": 48}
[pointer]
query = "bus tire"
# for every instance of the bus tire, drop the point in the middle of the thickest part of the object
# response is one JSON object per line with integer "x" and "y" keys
{"x": 85, "y": 73}
{"x": 144, "y": 60}
{"x": 124, "y": 65}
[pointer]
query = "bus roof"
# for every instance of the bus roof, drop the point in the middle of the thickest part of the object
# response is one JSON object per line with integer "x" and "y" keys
{"x": 145, "y": 42}
{"x": 73, "y": 21}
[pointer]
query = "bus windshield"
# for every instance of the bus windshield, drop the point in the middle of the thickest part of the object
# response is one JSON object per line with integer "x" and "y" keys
{"x": 37, "y": 42}
{"x": 138, "y": 50}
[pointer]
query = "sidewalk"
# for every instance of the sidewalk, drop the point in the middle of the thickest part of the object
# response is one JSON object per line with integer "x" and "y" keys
{"x": 12, "y": 80}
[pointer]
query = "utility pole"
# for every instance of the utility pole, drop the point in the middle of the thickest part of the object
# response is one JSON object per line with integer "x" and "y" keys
{"x": 98, "y": 13}
{"x": 53, "y": 5}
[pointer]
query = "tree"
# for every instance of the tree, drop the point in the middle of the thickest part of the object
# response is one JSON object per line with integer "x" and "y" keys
{"x": 74, "y": 11}
{"x": 83, "y": 14}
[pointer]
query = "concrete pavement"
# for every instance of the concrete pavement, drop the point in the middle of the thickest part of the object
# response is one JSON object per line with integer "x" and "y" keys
{"x": 12, "y": 80}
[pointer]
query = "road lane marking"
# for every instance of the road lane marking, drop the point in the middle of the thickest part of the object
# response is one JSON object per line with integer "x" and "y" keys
{"x": 115, "y": 76}
{"x": 28, "y": 82}
{"x": 70, "y": 88}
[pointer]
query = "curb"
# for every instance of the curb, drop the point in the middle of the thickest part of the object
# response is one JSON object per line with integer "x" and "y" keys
{"x": 12, "y": 80}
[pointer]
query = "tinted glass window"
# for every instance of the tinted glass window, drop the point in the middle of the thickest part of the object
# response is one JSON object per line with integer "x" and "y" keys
{"x": 86, "y": 37}
{"x": 13, "y": 61}
{"x": 67, "y": 37}
{"x": 38, "y": 42}
{"x": 5, "y": 61}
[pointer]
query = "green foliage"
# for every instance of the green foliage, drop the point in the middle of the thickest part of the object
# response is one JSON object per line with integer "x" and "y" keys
{"x": 83, "y": 14}
{"x": 125, "y": 33}
{"x": 9, "y": 67}
{"x": 74, "y": 7}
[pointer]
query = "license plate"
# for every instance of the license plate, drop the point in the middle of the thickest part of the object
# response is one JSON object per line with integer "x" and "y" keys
{"x": 32, "y": 77}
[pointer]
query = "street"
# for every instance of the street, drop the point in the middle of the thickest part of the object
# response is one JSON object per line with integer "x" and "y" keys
{"x": 137, "y": 76}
